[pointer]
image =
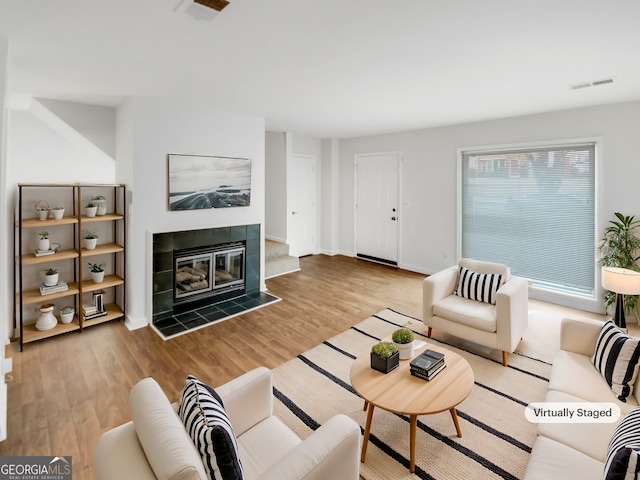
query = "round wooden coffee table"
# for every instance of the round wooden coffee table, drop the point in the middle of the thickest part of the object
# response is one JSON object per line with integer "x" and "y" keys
{"x": 400, "y": 392}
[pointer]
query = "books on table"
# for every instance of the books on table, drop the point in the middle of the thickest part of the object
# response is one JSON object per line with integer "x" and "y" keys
{"x": 427, "y": 365}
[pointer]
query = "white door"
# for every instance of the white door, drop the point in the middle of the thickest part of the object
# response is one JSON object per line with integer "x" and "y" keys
{"x": 301, "y": 203}
{"x": 377, "y": 207}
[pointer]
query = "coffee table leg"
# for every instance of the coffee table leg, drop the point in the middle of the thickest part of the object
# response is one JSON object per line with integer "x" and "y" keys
{"x": 367, "y": 430}
{"x": 454, "y": 415}
{"x": 413, "y": 421}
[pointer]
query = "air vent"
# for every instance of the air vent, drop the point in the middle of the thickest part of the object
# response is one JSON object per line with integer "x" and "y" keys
{"x": 595, "y": 83}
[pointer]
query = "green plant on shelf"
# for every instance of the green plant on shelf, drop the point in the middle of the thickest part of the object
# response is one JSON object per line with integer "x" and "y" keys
{"x": 44, "y": 234}
{"x": 89, "y": 234}
{"x": 50, "y": 271}
{"x": 67, "y": 310}
{"x": 96, "y": 267}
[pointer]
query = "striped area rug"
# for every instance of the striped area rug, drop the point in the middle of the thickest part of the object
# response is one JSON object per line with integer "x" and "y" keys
{"x": 496, "y": 438}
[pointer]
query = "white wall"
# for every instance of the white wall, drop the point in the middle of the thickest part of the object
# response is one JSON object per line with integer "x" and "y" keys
{"x": 6, "y": 217}
{"x": 161, "y": 127}
{"x": 429, "y": 173}
{"x": 275, "y": 221}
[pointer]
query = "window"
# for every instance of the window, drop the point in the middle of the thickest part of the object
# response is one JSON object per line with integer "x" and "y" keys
{"x": 534, "y": 210}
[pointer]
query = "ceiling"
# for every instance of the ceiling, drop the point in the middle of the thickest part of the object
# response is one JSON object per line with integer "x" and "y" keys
{"x": 331, "y": 68}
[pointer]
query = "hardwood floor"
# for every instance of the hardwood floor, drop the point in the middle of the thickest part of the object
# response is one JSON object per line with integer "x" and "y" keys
{"x": 65, "y": 391}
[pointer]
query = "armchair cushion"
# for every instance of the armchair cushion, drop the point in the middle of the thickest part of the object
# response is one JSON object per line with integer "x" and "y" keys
{"x": 206, "y": 421}
{"x": 481, "y": 316}
{"x": 481, "y": 287}
{"x": 616, "y": 357}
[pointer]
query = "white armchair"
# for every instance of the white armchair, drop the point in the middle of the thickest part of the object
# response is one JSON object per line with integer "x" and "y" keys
{"x": 155, "y": 443}
{"x": 498, "y": 326}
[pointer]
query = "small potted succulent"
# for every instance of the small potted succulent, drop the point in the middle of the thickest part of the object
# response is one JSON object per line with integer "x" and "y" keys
{"x": 384, "y": 357}
{"x": 43, "y": 242}
{"x": 51, "y": 276}
{"x": 89, "y": 239}
{"x": 403, "y": 340}
{"x": 66, "y": 314}
{"x": 100, "y": 202}
{"x": 57, "y": 212}
{"x": 42, "y": 208}
{"x": 90, "y": 209}
{"x": 97, "y": 272}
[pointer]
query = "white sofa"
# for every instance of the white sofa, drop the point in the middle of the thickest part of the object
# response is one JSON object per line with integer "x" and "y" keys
{"x": 498, "y": 326}
{"x": 156, "y": 445}
{"x": 565, "y": 450}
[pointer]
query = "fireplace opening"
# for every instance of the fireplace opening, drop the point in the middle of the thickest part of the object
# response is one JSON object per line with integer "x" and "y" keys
{"x": 208, "y": 274}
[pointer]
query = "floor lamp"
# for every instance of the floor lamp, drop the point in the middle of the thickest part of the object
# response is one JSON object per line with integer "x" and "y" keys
{"x": 620, "y": 281}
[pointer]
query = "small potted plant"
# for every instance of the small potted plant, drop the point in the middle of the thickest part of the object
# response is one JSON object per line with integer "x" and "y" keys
{"x": 89, "y": 239}
{"x": 384, "y": 357}
{"x": 100, "y": 202}
{"x": 43, "y": 242}
{"x": 66, "y": 314}
{"x": 90, "y": 209}
{"x": 51, "y": 276}
{"x": 42, "y": 208}
{"x": 57, "y": 212}
{"x": 97, "y": 272}
{"x": 403, "y": 340}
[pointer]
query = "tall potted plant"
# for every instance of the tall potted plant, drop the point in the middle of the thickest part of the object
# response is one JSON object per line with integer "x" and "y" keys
{"x": 620, "y": 247}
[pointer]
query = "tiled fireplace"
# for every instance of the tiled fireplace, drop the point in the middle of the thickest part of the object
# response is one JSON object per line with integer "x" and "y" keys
{"x": 200, "y": 276}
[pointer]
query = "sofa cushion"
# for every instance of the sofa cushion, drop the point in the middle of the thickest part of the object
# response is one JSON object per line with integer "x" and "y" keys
{"x": 206, "y": 421}
{"x": 165, "y": 442}
{"x": 551, "y": 460}
{"x": 616, "y": 357}
{"x": 574, "y": 374}
{"x": 622, "y": 457}
{"x": 477, "y": 315}
{"x": 481, "y": 287}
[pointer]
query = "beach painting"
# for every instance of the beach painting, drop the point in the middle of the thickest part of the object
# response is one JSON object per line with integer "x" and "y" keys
{"x": 201, "y": 182}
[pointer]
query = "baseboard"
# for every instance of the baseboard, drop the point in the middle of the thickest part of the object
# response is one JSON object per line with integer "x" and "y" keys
{"x": 275, "y": 239}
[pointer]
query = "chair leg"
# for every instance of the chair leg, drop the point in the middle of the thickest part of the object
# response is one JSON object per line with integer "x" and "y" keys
{"x": 504, "y": 358}
{"x": 429, "y": 332}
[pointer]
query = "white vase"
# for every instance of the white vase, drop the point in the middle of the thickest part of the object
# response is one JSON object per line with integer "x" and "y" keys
{"x": 97, "y": 277}
{"x": 43, "y": 214}
{"x": 405, "y": 349}
{"x": 90, "y": 243}
{"x": 57, "y": 213}
{"x": 90, "y": 211}
{"x": 44, "y": 244}
{"x": 46, "y": 320}
{"x": 51, "y": 280}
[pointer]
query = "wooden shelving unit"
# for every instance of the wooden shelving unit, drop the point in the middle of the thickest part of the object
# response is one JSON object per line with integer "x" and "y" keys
{"x": 27, "y": 290}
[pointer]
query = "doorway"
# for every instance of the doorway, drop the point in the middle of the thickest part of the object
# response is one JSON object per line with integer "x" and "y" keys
{"x": 301, "y": 223}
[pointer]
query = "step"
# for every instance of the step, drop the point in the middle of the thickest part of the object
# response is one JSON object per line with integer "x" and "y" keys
{"x": 275, "y": 249}
{"x": 281, "y": 265}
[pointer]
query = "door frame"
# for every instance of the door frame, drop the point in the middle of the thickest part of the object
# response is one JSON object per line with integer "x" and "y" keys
{"x": 314, "y": 159}
{"x": 400, "y": 161}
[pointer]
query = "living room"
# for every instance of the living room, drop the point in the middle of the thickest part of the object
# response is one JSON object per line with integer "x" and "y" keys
{"x": 130, "y": 143}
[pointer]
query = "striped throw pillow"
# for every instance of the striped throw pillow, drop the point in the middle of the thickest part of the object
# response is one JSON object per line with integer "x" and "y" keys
{"x": 481, "y": 287}
{"x": 616, "y": 358}
{"x": 203, "y": 415}
{"x": 623, "y": 459}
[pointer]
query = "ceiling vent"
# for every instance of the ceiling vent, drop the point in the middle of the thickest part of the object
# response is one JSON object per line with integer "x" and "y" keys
{"x": 204, "y": 10}
{"x": 595, "y": 83}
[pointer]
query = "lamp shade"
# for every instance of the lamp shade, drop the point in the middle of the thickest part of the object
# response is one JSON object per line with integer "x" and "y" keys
{"x": 621, "y": 280}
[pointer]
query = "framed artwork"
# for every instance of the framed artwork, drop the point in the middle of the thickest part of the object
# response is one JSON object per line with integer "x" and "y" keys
{"x": 201, "y": 182}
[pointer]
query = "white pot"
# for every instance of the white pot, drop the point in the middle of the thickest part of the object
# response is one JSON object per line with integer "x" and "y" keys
{"x": 90, "y": 243}
{"x": 97, "y": 277}
{"x": 57, "y": 213}
{"x": 51, "y": 280}
{"x": 101, "y": 211}
{"x": 47, "y": 319}
{"x": 44, "y": 244}
{"x": 90, "y": 211}
{"x": 67, "y": 317}
{"x": 44, "y": 214}
{"x": 405, "y": 350}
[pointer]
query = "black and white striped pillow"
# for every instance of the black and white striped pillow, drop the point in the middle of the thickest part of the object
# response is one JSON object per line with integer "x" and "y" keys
{"x": 203, "y": 415}
{"x": 481, "y": 287}
{"x": 623, "y": 457}
{"x": 616, "y": 358}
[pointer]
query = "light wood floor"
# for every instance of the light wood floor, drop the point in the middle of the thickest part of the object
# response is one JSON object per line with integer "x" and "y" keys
{"x": 65, "y": 391}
